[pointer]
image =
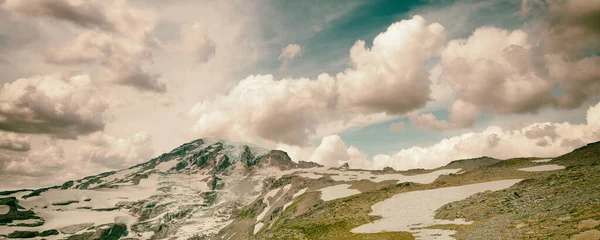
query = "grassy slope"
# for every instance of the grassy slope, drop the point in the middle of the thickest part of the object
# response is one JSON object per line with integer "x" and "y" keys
{"x": 493, "y": 212}
{"x": 548, "y": 206}
{"x": 311, "y": 218}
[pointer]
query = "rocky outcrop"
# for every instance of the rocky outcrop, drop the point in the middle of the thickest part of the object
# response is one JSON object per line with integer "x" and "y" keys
{"x": 345, "y": 166}
{"x": 13, "y": 211}
{"x": 472, "y": 163}
{"x": 304, "y": 164}
{"x": 388, "y": 169}
{"x": 278, "y": 159}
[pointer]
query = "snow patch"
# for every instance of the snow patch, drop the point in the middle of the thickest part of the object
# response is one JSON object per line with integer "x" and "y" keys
{"x": 413, "y": 211}
{"x": 165, "y": 166}
{"x": 270, "y": 194}
{"x": 542, "y": 168}
{"x": 302, "y": 191}
{"x": 61, "y": 216}
{"x": 257, "y": 227}
{"x": 337, "y": 191}
{"x": 4, "y": 209}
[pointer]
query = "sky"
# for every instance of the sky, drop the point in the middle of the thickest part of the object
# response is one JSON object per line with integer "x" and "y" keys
{"x": 89, "y": 86}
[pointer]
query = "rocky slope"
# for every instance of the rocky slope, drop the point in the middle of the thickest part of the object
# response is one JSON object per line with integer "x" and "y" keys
{"x": 212, "y": 189}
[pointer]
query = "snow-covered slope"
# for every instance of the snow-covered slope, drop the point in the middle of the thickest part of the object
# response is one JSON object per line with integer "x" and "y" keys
{"x": 190, "y": 191}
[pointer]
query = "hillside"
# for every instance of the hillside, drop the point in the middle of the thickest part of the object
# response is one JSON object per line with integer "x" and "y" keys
{"x": 212, "y": 189}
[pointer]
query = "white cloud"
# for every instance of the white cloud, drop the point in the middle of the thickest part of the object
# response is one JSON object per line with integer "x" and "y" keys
{"x": 82, "y": 13}
{"x": 389, "y": 78}
{"x": 43, "y": 162}
{"x": 504, "y": 72}
{"x": 62, "y": 106}
{"x": 536, "y": 140}
{"x": 14, "y": 142}
{"x": 195, "y": 38}
{"x": 288, "y": 54}
{"x": 572, "y": 26}
{"x": 462, "y": 114}
{"x": 117, "y": 153}
{"x": 544, "y": 139}
{"x": 54, "y": 161}
{"x": 497, "y": 70}
{"x": 115, "y": 36}
{"x": 332, "y": 152}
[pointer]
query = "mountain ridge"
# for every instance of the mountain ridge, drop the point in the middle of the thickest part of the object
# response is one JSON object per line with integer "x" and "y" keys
{"x": 213, "y": 189}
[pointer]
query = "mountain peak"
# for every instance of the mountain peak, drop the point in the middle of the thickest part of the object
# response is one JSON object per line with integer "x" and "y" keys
{"x": 219, "y": 155}
{"x": 345, "y": 166}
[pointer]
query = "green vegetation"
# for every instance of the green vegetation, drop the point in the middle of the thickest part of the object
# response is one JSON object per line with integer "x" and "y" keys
{"x": 531, "y": 209}
{"x": 549, "y": 206}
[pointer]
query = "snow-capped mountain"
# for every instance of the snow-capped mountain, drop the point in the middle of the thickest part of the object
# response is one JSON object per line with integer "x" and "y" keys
{"x": 212, "y": 189}
{"x": 191, "y": 191}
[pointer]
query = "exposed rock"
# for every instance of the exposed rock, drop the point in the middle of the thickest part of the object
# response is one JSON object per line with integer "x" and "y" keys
{"x": 23, "y": 234}
{"x": 65, "y": 203}
{"x": 587, "y": 235}
{"x": 67, "y": 185}
{"x": 32, "y": 234}
{"x": 388, "y": 169}
{"x": 278, "y": 159}
{"x": 305, "y": 164}
{"x": 521, "y": 225}
{"x": 49, "y": 233}
{"x": 115, "y": 232}
{"x": 71, "y": 229}
{"x": 587, "y": 224}
{"x": 13, "y": 212}
{"x": 345, "y": 166}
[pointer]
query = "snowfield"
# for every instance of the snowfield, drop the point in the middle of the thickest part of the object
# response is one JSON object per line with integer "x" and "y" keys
{"x": 542, "y": 168}
{"x": 337, "y": 191}
{"x": 413, "y": 211}
{"x": 357, "y": 175}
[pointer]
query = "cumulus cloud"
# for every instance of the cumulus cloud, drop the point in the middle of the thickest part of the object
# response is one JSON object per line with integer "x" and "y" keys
{"x": 55, "y": 161}
{"x": 542, "y": 132}
{"x": 573, "y": 26}
{"x": 536, "y": 140}
{"x": 544, "y": 139}
{"x": 462, "y": 114}
{"x": 43, "y": 162}
{"x": 503, "y": 72}
{"x": 333, "y": 152}
{"x": 115, "y": 36}
{"x": 496, "y": 69}
{"x": 82, "y": 13}
{"x": 284, "y": 111}
{"x": 391, "y": 76}
{"x": 288, "y": 54}
{"x": 117, "y": 153}
{"x": 64, "y": 107}
{"x": 388, "y": 78}
{"x": 579, "y": 79}
{"x": 14, "y": 142}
